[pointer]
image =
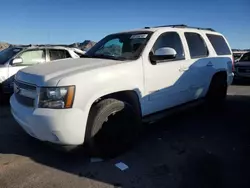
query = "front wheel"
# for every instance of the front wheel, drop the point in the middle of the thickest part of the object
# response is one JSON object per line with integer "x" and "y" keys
{"x": 112, "y": 127}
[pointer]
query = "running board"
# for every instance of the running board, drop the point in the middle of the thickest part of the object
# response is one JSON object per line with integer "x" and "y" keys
{"x": 152, "y": 118}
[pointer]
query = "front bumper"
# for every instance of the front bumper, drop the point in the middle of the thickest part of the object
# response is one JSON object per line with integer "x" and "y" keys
{"x": 58, "y": 126}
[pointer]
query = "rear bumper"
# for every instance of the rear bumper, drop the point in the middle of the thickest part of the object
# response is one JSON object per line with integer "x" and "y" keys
{"x": 58, "y": 126}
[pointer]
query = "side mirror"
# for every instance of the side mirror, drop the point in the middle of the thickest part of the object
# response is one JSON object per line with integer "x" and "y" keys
{"x": 163, "y": 54}
{"x": 17, "y": 61}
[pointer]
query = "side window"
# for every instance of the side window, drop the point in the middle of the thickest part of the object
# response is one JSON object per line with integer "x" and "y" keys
{"x": 219, "y": 44}
{"x": 32, "y": 57}
{"x": 172, "y": 40}
{"x": 196, "y": 45}
{"x": 55, "y": 54}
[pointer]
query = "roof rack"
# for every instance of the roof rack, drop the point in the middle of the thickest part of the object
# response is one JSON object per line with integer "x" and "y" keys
{"x": 40, "y": 45}
{"x": 20, "y": 45}
{"x": 181, "y": 26}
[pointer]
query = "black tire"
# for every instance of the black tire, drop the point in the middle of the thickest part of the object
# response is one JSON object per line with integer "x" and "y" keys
{"x": 112, "y": 128}
{"x": 217, "y": 91}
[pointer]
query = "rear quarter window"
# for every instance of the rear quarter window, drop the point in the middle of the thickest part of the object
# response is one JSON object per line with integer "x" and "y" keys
{"x": 219, "y": 44}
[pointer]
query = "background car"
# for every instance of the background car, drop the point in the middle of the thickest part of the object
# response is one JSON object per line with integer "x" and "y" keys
{"x": 237, "y": 55}
{"x": 13, "y": 59}
{"x": 242, "y": 67}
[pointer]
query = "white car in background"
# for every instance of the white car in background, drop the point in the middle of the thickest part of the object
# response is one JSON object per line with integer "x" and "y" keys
{"x": 13, "y": 59}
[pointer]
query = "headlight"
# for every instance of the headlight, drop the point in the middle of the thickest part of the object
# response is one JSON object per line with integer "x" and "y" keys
{"x": 56, "y": 97}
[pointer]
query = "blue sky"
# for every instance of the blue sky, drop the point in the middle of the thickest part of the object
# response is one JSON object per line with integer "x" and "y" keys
{"x": 68, "y": 21}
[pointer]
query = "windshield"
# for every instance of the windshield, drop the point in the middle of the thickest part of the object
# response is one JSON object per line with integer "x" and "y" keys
{"x": 245, "y": 57}
{"x": 122, "y": 46}
{"x": 8, "y": 53}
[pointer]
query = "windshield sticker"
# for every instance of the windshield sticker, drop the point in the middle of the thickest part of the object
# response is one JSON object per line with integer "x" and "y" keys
{"x": 140, "y": 36}
{"x": 16, "y": 50}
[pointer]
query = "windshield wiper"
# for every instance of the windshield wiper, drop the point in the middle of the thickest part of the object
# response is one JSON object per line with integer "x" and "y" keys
{"x": 85, "y": 56}
{"x": 102, "y": 56}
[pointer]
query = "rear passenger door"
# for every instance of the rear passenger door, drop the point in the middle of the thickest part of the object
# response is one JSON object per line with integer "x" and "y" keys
{"x": 56, "y": 54}
{"x": 197, "y": 67}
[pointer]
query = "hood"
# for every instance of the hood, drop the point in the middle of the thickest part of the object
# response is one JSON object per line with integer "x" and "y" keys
{"x": 49, "y": 74}
{"x": 242, "y": 64}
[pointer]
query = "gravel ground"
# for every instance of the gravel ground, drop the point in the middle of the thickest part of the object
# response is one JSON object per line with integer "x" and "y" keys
{"x": 198, "y": 148}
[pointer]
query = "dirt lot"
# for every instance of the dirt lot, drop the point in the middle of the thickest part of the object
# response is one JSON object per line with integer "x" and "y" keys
{"x": 195, "y": 149}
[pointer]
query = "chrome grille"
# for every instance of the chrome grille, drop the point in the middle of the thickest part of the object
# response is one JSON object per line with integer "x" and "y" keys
{"x": 25, "y": 93}
{"x": 25, "y": 86}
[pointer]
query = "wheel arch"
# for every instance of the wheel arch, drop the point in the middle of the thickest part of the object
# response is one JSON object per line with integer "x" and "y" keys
{"x": 129, "y": 96}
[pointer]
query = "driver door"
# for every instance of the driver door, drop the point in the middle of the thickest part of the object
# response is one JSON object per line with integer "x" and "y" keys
{"x": 164, "y": 80}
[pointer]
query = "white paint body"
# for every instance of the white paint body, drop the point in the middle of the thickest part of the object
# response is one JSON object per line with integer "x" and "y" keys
{"x": 158, "y": 87}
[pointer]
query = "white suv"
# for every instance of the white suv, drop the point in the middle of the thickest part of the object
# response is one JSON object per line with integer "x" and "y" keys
{"x": 101, "y": 98}
{"x": 15, "y": 58}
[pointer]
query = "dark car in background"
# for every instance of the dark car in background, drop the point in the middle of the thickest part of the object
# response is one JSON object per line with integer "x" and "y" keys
{"x": 242, "y": 67}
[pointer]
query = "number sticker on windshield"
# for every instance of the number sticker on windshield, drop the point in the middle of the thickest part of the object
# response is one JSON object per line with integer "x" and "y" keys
{"x": 140, "y": 36}
{"x": 16, "y": 50}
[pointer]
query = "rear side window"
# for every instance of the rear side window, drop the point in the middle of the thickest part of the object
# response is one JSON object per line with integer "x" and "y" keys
{"x": 219, "y": 44}
{"x": 58, "y": 54}
{"x": 196, "y": 45}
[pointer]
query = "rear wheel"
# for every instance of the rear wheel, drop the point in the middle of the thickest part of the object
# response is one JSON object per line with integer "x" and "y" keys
{"x": 217, "y": 91}
{"x": 112, "y": 127}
